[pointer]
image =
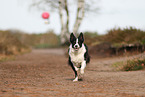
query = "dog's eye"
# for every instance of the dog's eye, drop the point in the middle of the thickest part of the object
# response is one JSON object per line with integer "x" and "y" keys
{"x": 79, "y": 42}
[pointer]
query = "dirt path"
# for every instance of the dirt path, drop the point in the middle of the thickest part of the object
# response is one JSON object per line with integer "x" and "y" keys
{"x": 45, "y": 73}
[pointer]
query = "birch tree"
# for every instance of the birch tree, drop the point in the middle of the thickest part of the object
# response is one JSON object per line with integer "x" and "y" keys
{"x": 62, "y": 6}
{"x": 80, "y": 15}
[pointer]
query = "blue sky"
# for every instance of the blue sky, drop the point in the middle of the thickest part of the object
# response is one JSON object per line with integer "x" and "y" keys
{"x": 15, "y": 14}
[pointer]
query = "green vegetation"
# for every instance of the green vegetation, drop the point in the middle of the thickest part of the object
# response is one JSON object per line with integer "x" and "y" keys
{"x": 133, "y": 65}
{"x": 130, "y": 65}
{"x": 45, "y": 45}
{"x": 4, "y": 58}
{"x": 118, "y": 65}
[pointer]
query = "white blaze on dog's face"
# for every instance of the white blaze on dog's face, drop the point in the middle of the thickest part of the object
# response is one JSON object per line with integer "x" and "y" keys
{"x": 76, "y": 46}
{"x": 76, "y": 42}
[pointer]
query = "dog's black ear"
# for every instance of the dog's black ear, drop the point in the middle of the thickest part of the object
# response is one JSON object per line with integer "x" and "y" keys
{"x": 81, "y": 37}
{"x": 72, "y": 37}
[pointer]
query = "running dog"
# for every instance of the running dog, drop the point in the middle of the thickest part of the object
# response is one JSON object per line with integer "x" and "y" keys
{"x": 78, "y": 55}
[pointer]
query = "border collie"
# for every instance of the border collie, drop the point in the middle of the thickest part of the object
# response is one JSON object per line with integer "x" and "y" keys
{"x": 78, "y": 55}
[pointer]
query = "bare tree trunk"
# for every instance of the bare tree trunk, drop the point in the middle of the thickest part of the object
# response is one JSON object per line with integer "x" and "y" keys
{"x": 67, "y": 21}
{"x": 64, "y": 26}
{"x": 61, "y": 2}
{"x": 80, "y": 15}
{"x": 67, "y": 13}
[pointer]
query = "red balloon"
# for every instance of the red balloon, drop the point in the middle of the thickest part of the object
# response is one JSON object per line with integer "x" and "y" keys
{"x": 45, "y": 15}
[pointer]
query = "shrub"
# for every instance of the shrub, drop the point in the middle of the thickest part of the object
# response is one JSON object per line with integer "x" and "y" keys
{"x": 125, "y": 36}
{"x": 133, "y": 65}
{"x": 130, "y": 65}
{"x": 9, "y": 44}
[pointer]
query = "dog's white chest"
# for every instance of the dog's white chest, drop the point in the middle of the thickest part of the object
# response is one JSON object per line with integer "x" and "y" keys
{"x": 77, "y": 56}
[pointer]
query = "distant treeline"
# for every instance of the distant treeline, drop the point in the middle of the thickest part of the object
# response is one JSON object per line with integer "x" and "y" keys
{"x": 117, "y": 42}
{"x": 117, "y": 37}
{"x": 10, "y": 44}
{"x": 14, "y": 41}
{"x": 45, "y": 40}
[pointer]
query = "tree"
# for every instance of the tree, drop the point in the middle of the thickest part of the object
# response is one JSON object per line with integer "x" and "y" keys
{"x": 62, "y": 7}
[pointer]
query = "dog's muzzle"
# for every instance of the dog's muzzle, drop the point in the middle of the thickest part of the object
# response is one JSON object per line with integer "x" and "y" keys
{"x": 76, "y": 47}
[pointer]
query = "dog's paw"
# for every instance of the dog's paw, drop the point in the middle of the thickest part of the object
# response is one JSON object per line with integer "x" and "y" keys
{"x": 76, "y": 79}
{"x": 81, "y": 77}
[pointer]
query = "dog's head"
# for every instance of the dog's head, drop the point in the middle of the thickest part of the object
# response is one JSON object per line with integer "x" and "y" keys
{"x": 76, "y": 42}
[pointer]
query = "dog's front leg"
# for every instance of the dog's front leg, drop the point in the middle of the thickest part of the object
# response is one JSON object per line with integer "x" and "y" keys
{"x": 73, "y": 67}
{"x": 76, "y": 68}
{"x": 76, "y": 75}
{"x": 83, "y": 65}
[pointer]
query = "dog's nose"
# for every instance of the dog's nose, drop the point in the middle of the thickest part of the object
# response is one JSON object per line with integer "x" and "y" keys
{"x": 76, "y": 46}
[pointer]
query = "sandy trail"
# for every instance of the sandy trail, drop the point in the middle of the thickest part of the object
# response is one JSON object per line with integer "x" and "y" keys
{"x": 45, "y": 73}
